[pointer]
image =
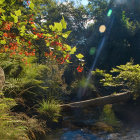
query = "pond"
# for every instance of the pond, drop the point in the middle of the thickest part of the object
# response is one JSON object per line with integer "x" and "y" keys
{"x": 84, "y": 124}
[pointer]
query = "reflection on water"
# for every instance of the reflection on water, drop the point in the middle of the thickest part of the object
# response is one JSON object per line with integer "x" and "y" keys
{"x": 90, "y": 127}
{"x": 73, "y": 135}
{"x": 108, "y": 116}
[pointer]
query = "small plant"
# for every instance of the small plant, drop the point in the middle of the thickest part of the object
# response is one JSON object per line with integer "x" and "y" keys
{"x": 108, "y": 116}
{"x": 50, "y": 109}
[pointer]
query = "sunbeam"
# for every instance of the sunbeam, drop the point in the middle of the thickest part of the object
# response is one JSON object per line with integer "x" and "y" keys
{"x": 82, "y": 91}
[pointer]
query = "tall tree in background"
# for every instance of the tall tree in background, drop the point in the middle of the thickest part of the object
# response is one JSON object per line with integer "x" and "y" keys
{"x": 51, "y": 11}
{"x": 123, "y": 38}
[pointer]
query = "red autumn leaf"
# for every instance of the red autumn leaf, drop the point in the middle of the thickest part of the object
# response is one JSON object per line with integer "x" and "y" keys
{"x": 31, "y": 19}
{"x": 79, "y": 69}
{"x": 20, "y": 53}
{"x": 32, "y": 22}
{"x": 33, "y": 54}
{"x": 29, "y": 42}
{"x": 5, "y": 35}
{"x": 56, "y": 36}
{"x": 46, "y": 54}
{"x": 62, "y": 62}
{"x": 22, "y": 60}
{"x": 51, "y": 53}
{"x": 26, "y": 53}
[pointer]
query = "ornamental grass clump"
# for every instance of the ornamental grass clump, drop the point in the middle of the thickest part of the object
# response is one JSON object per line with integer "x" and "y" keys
{"x": 50, "y": 110}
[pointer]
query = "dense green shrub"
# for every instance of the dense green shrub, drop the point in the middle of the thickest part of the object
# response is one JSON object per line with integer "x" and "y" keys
{"x": 125, "y": 77}
{"x": 34, "y": 82}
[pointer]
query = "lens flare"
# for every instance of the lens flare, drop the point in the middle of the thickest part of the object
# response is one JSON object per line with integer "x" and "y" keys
{"x": 82, "y": 91}
{"x": 102, "y": 28}
{"x": 109, "y": 12}
{"x": 92, "y": 51}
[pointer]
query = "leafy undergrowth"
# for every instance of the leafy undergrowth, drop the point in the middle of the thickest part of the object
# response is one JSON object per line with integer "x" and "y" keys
{"x": 17, "y": 126}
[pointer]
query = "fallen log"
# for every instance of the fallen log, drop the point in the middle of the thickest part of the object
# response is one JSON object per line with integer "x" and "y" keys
{"x": 110, "y": 99}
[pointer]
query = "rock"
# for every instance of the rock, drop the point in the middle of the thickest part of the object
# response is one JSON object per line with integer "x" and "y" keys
{"x": 113, "y": 136}
{"x": 134, "y": 134}
{"x": 101, "y": 126}
{"x": 82, "y": 123}
{"x": 69, "y": 124}
{"x": 89, "y": 122}
{"x": 78, "y": 135}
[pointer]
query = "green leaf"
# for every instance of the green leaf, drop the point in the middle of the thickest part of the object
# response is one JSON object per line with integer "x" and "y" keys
{"x": 18, "y": 13}
{"x": 13, "y": 2}
{"x": 1, "y": 33}
{"x": 2, "y": 1}
{"x": 1, "y": 10}
{"x": 59, "y": 48}
{"x": 66, "y": 34}
{"x": 32, "y": 6}
{"x": 58, "y": 26}
{"x": 48, "y": 43}
{"x": 22, "y": 29}
{"x": 68, "y": 48}
{"x": 3, "y": 42}
{"x": 22, "y": 34}
{"x": 68, "y": 61}
{"x": 63, "y": 22}
{"x": 15, "y": 18}
{"x": 35, "y": 36}
{"x": 12, "y": 15}
{"x": 33, "y": 25}
{"x": 73, "y": 50}
{"x": 48, "y": 35}
{"x": 79, "y": 56}
{"x": 17, "y": 38}
{"x": 52, "y": 27}
{"x": 3, "y": 17}
{"x": 22, "y": 23}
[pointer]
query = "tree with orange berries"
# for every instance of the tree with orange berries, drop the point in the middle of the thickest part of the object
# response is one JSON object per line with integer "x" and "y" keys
{"x": 22, "y": 38}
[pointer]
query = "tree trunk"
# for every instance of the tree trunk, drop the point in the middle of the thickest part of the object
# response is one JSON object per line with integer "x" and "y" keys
{"x": 110, "y": 99}
{"x": 2, "y": 79}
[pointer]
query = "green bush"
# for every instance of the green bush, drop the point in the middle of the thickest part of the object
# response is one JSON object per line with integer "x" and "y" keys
{"x": 33, "y": 82}
{"x": 125, "y": 77}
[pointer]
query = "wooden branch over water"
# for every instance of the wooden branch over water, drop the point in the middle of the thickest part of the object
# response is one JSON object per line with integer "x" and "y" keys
{"x": 110, "y": 99}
